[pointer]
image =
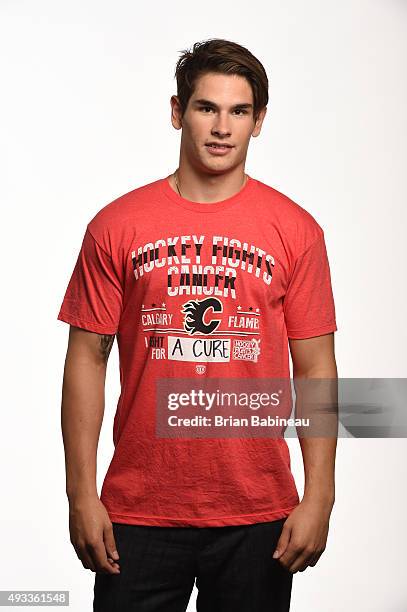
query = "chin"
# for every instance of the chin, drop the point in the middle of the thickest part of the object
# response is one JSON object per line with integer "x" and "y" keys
{"x": 218, "y": 169}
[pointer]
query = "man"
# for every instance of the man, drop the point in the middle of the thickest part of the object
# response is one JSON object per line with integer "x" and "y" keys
{"x": 205, "y": 273}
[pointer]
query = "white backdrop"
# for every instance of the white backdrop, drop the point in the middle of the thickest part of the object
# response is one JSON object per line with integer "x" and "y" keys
{"x": 86, "y": 117}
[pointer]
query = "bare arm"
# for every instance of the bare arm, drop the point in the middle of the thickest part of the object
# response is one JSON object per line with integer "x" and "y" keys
{"x": 315, "y": 358}
{"x": 305, "y": 531}
{"x": 82, "y": 412}
{"x": 83, "y": 407}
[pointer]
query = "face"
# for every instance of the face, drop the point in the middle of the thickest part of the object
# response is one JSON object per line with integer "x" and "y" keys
{"x": 220, "y": 110}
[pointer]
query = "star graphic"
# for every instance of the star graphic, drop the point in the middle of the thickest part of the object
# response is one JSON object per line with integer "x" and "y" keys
{"x": 257, "y": 309}
{"x": 250, "y": 308}
{"x": 153, "y": 305}
{"x": 163, "y": 304}
{"x": 239, "y": 308}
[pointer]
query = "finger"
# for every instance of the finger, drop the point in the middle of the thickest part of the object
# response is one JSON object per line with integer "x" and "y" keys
{"x": 110, "y": 543}
{"x": 85, "y": 558}
{"x": 301, "y": 562}
{"x": 113, "y": 563}
{"x": 98, "y": 555}
{"x": 283, "y": 542}
{"x": 292, "y": 552}
{"x": 314, "y": 559}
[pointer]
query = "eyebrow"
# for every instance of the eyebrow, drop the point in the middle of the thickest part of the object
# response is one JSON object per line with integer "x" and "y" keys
{"x": 204, "y": 102}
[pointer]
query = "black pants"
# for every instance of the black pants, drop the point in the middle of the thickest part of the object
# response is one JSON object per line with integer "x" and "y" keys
{"x": 233, "y": 567}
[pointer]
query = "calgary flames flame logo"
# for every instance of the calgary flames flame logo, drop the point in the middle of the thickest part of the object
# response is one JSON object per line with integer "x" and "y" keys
{"x": 195, "y": 311}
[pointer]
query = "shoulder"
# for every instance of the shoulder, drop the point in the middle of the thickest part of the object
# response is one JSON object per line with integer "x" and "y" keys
{"x": 296, "y": 224}
{"x": 110, "y": 224}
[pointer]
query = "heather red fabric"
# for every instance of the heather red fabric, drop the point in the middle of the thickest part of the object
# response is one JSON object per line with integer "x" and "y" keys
{"x": 256, "y": 265}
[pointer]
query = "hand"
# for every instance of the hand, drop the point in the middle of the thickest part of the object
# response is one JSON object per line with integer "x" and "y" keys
{"x": 304, "y": 535}
{"x": 92, "y": 535}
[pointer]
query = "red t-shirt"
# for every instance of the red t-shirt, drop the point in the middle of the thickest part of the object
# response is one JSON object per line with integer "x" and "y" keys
{"x": 254, "y": 271}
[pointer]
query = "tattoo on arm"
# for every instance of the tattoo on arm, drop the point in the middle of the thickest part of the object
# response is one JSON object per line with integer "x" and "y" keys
{"x": 106, "y": 343}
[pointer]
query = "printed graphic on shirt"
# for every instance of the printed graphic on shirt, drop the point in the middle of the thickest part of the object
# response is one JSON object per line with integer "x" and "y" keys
{"x": 212, "y": 327}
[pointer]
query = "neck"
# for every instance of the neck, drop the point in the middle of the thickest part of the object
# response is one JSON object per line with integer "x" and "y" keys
{"x": 205, "y": 187}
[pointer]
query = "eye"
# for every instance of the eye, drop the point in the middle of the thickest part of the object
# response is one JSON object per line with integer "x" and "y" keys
{"x": 237, "y": 110}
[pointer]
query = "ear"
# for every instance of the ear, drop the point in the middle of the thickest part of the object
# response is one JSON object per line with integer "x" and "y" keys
{"x": 176, "y": 113}
{"x": 259, "y": 122}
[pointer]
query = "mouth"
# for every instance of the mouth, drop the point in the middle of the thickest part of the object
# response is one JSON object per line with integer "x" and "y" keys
{"x": 219, "y": 148}
{"x": 220, "y": 145}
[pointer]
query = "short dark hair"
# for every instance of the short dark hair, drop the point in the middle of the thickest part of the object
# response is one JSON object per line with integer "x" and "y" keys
{"x": 221, "y": 56}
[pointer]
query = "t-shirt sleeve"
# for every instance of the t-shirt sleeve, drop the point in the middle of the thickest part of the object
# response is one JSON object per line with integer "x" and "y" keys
{"x": 309, "y": 308}
{"x": 94, "y": 296}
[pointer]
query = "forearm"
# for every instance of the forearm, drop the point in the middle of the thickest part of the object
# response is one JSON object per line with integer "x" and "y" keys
{"x": 81, "y": 419}
{"x": 318, "y": 400}
{"x": 319, "y": 468}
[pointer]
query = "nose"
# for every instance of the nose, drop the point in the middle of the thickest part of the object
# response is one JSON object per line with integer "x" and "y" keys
{"x": 220, "y": 126}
